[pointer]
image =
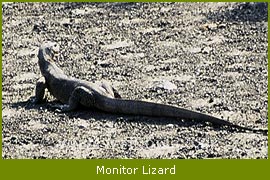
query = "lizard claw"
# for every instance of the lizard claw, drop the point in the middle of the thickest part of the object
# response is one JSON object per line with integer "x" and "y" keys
{"x": 59, "y": 108}
{"x": 32, "y": 100}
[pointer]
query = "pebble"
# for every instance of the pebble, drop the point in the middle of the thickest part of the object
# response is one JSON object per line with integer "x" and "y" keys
{"x": 165, "y": 85}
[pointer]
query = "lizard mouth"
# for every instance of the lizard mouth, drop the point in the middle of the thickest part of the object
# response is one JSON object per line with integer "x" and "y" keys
{"x": 56, "y": 56}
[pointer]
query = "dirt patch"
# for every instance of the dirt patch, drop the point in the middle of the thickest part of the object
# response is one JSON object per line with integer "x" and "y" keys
{"x": 209, "y": 57}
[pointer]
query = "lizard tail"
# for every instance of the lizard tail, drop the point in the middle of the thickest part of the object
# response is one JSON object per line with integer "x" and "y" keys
{"x": 135, "y": 107}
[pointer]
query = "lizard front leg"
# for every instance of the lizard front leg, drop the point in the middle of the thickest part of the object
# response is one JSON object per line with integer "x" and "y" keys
{"x": 80, "y": 95}
{"x": 40, "y": 91}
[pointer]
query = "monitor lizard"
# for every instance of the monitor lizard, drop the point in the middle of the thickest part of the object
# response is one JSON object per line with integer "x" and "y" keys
{"x": 73, "y": 92}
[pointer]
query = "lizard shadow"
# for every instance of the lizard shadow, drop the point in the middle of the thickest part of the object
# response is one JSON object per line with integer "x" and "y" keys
{"x": 86, "y": 114}
{"x": 92, "y": 113}
{"x": 98, "y": 115}
{"x": 29, "y": 105}
{"x": 248, "y": 11}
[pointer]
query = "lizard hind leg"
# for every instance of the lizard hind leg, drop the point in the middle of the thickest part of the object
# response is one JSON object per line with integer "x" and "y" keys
{"x": 80, "y": 95}
{"x": 110, "y": 90}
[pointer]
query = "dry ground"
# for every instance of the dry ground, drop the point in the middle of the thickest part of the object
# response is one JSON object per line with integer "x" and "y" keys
{"x": 209, "y": 57}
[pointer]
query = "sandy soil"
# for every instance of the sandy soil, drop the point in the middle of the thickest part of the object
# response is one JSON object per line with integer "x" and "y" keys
{"x": 209, "y": 57}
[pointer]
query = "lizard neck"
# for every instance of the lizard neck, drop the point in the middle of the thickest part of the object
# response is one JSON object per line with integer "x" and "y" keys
{"x": 47, "y": 67}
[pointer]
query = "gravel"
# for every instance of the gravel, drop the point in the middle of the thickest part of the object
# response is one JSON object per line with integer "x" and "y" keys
{"x": 209, "y": 57}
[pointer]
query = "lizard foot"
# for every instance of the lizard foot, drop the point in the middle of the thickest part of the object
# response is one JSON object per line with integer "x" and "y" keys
{"x": 34, "y": 100}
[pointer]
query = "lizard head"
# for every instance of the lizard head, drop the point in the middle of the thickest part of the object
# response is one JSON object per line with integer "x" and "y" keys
{"x": 48, "y": 51}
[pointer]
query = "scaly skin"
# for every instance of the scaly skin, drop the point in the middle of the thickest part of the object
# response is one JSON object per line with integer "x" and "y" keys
{"x": 72, "y": 92}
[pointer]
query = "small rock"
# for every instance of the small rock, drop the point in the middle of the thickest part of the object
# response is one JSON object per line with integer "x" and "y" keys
{"x": 39, "y": 28}
{"x": 222, "y": 26}
{"x": 195, "y": 50}
{"x": 165, "y": 84}
{"x": 149, "y": 68}
{"x": 211, "y": 100}
{"x": 150, "y": 143}
{"x": 259, "y": 121}
{"x": 208, "y": 26}
{"x": 105, "y": 63}
{"x": 67, "y": 22}
{"x": 206, "y": 50}
{"x": 169, "y": 125}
